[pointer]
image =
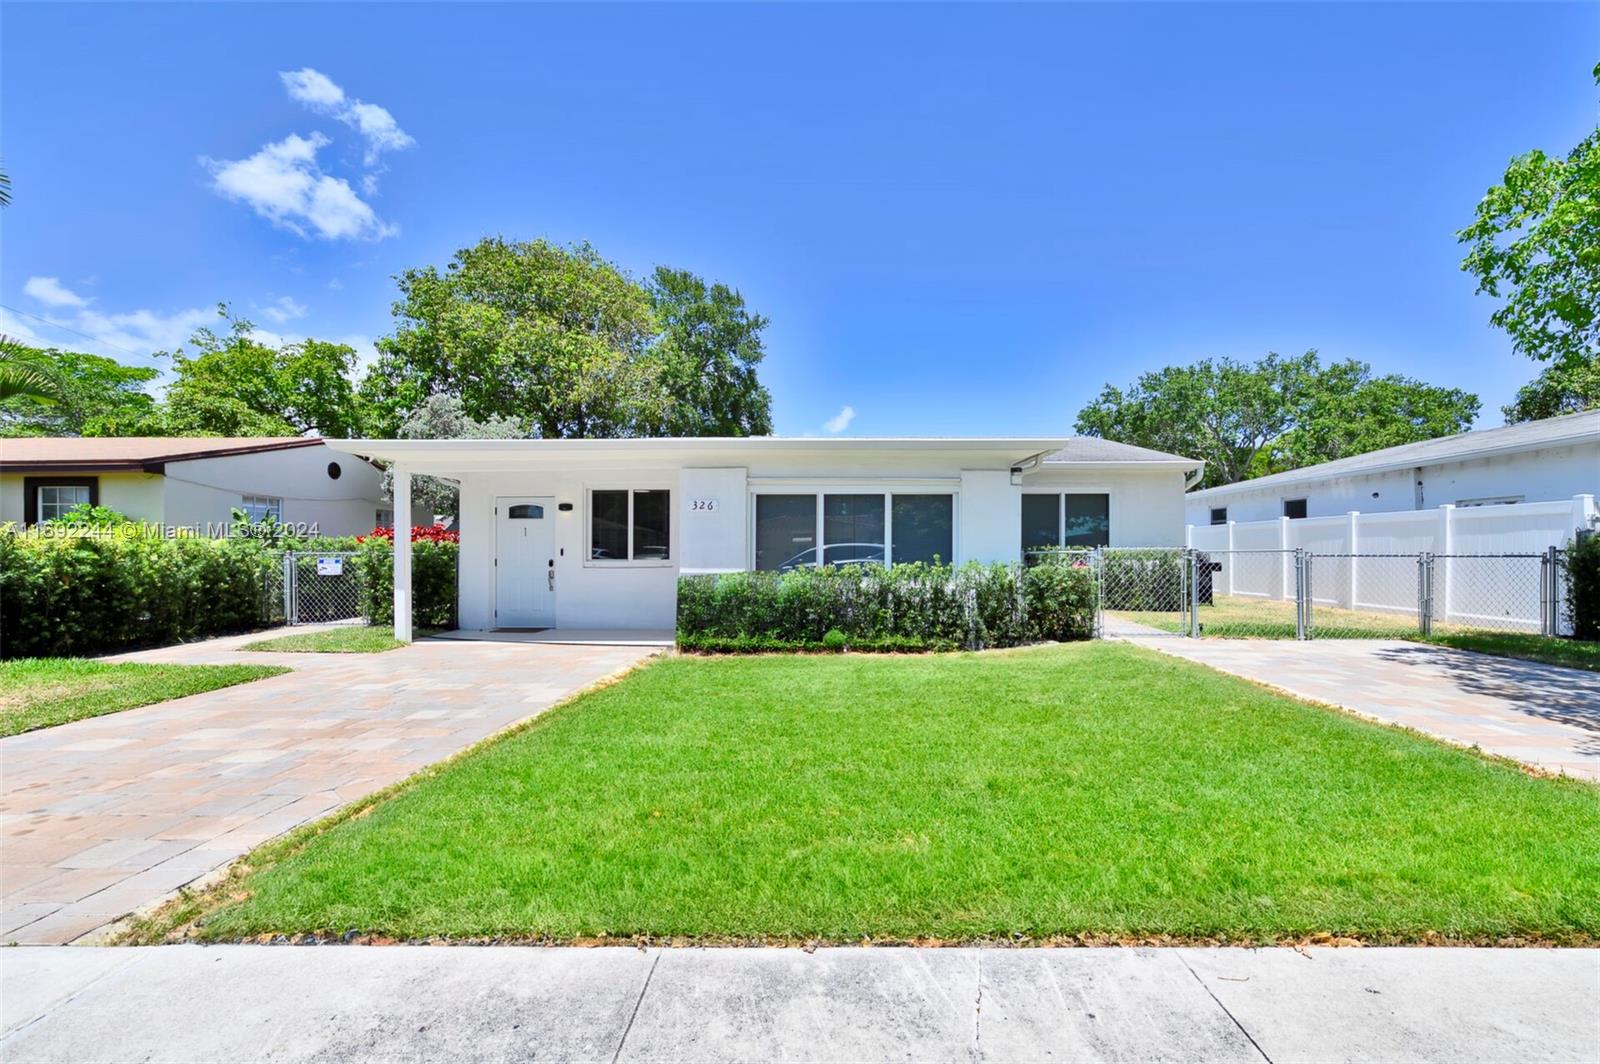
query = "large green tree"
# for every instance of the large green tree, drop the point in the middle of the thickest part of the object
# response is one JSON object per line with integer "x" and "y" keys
{"x": 232, "y": 384}
{"x": 97, "y": 397}
{"x": 1535, "y": 244}
{"x": 1570, "y": 386}
{"x": 1250, "y": 419}
{"x": 568, "y": 345}
{"x": 27, "y": 374}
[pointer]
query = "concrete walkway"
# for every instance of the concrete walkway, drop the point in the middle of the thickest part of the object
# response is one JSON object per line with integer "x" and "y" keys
{"x": 1542, "y": 715}
{"x": 103, "y": 817}
{"x": 286, "y": 1003}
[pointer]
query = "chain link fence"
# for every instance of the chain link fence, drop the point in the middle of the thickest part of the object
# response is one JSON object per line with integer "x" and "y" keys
{"x": 314, "y": 587}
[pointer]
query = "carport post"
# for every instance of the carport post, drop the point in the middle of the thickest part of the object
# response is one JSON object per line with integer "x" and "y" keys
{"x": 402, "y": 554}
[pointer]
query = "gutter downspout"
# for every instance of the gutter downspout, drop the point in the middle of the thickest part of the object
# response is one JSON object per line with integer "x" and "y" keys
{"x": 1028, "y": 465}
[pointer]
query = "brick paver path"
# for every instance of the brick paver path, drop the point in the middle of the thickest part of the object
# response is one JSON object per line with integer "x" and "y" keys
{"x": 1542, "y": 715}
{"x": 103, "y": 817}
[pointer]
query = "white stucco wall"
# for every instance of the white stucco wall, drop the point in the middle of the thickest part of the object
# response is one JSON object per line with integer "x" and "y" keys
{"x": 1545, "y": 475}
{"x": 713, "y": 513}
{"x": 206, "y": 490}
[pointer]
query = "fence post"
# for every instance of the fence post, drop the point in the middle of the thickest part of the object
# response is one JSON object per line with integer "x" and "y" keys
{"x": 1300, "y": 593}
{"x": 1425, "y": 593}
{"x": 1354, "y": 519}
{"x": 1439, "y": 591}
{"x": 288, "y": 587}
{"x": 1231, "y": 523}
{"x": 1194, "y": 595}
{"x": 1284, "y": 560}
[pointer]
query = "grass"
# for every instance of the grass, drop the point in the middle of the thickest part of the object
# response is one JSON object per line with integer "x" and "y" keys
{"x": 1569, "y": 652}
{"x": 1094, "y": 789}
{"x": 345, "y": 639}
{"x": 44, "y": 692}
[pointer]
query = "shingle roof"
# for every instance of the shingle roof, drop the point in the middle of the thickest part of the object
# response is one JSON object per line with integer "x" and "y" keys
{"x": 1528, "y": 436}
{"x": 1095, "y": 449}
{"x": 131, "y": 452}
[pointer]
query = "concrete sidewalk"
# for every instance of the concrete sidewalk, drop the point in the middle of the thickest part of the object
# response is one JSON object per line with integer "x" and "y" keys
{"x": 287, "y": 1003}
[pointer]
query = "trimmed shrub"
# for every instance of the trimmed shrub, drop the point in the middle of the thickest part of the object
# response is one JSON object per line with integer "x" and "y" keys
{"x": 1582, "y": 562}
{"x": 903, "y": 607}
{"x": 433, "y": 580}
{"x": 70, "y": 595}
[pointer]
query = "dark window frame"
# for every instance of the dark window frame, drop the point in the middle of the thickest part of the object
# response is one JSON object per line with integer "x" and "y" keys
{"x": 1222, "y": 520}
{"x": 1304, "y": 506}
{"x": 31, "y": 486}
{"x": 632, "y": 561}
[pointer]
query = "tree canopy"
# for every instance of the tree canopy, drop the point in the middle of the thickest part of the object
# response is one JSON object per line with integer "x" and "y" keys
{"x": 1570, "y": 386}
{"x": 98, "y": 396}
{"x": 567, "y": 344}
{"x": 1251, "y": 419}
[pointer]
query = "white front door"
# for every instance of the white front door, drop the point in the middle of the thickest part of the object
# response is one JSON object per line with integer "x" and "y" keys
{"x": 525, "y": 563}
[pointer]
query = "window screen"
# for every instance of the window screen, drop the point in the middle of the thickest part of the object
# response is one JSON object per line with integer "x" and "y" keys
{"x": 1041, "y": 521}
{"x": 1088, "y": 521}
{"x": 786, "y": 531}
{"x": 852, "y": 529}
{"x": 608, "y": 525}
{"x": 924, "y": 529}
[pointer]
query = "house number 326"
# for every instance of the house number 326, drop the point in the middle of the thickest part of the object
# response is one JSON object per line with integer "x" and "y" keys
{"x": 702, "y": 505}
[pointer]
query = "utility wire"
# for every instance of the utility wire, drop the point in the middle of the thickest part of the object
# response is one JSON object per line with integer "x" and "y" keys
{"x": 75, "y": 332}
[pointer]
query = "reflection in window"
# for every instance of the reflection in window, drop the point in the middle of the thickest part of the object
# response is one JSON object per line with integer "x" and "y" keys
{"x": 630, "y": 525}
{"x": 525, "y": 511}
{"x": 1088, "y": 521}
{"x": 608, "y": 525}
{"x": 923, "y": 529}
{"x": 651, "y": 525}
{"x": 786, "y": 531}
{"x": 1041, "y": 521}
{"x": 852, "y": 529}
{"x": 57, "y": 499}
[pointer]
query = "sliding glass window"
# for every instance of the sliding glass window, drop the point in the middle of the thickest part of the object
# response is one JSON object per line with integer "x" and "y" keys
{"x": 786, "y": 531}
{"x": 1088, "y": 521}
{"x": 924, "y": 529}
{"x": 852, "y": 529}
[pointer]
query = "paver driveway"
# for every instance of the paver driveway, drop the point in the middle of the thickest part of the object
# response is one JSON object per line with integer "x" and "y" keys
{"x": 102, "y": 817}
{"x": 1542, "y": 715}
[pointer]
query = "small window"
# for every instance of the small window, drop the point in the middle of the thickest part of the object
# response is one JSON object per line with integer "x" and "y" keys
{"x": 58, "y": 499}
{"x": 383, "y": 518}
{"x": 259, "y": 508}
{"x": 630, "y": 525}
{"x": 1295, "y": 508}
{"x": 525, "y": 511}
{"x": 1498, "y": 500}
{"x": 1219, "y": 515}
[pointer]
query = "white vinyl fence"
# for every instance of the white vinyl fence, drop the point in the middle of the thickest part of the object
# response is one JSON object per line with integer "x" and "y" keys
{"x": 1484, "y": 568}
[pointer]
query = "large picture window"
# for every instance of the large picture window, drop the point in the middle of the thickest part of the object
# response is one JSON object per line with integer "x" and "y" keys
{"x": 853, "y": 528}
{"x": 1065, "y": 520}
{"x": 630, "y": 525}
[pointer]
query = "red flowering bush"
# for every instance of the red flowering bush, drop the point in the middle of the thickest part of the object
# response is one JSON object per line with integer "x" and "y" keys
{"x": 419, "y": 534}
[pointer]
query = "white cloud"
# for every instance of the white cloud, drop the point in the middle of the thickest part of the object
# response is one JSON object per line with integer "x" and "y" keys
{"x": 320, "y": 93}
{"x": 840, "y": 421}
{"x": 284, "y": 309}
{"x": 130, "y": 337}
{"x": 282, "y": 182}
{"x": 52, "y": 293}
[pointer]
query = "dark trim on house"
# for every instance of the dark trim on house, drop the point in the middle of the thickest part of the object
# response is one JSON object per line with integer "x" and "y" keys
{"x": 31, "y": 486}
{"x": 149, "y": 465}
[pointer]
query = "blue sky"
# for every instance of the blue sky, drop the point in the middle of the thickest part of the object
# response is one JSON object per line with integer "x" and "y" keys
{"x": 961, "y": 220}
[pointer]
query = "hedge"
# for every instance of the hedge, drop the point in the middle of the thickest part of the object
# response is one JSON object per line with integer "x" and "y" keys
{"x": 1582, "y": 561}
{"x": 903, "y": 607}
{"x": 95, "y": 594}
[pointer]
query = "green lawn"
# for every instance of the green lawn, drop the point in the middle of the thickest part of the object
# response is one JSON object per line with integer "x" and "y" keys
{"x": 1089, "y": 789}
{"x": 1569, "y": 652}
{"x": 41, "y": 692}
{"x": 346, "y": 639}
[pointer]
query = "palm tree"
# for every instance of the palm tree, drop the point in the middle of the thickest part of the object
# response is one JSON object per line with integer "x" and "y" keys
{"x": 5, "y": 189}
{"x": 26, "y": 372}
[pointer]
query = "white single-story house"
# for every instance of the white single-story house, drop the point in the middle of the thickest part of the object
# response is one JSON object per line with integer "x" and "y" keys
{"x": 593, "y": 534}
{"x": 193, "y": 482}
{"x": 1537, "y": 461}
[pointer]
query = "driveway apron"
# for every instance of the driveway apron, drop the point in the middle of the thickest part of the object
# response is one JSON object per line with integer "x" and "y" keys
{"x": 104, "y": 817}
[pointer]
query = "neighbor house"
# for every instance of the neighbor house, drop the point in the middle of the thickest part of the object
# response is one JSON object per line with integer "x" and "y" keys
{"x": 190, "y": 481}
{"x": 593, "y": 534}
{"x": 1534, "y": 462}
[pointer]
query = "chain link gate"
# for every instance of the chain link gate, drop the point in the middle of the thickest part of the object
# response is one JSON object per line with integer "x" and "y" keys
{"x": 320, "y": 586}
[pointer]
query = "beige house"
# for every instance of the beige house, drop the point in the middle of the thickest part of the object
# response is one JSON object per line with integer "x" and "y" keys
{"x": 192, "y": 482}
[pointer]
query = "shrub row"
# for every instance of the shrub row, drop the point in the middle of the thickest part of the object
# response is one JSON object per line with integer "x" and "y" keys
{"x": 94, "y": 594}
{"x": 1582, "y": 561}
{"x": 903, "y": 607}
